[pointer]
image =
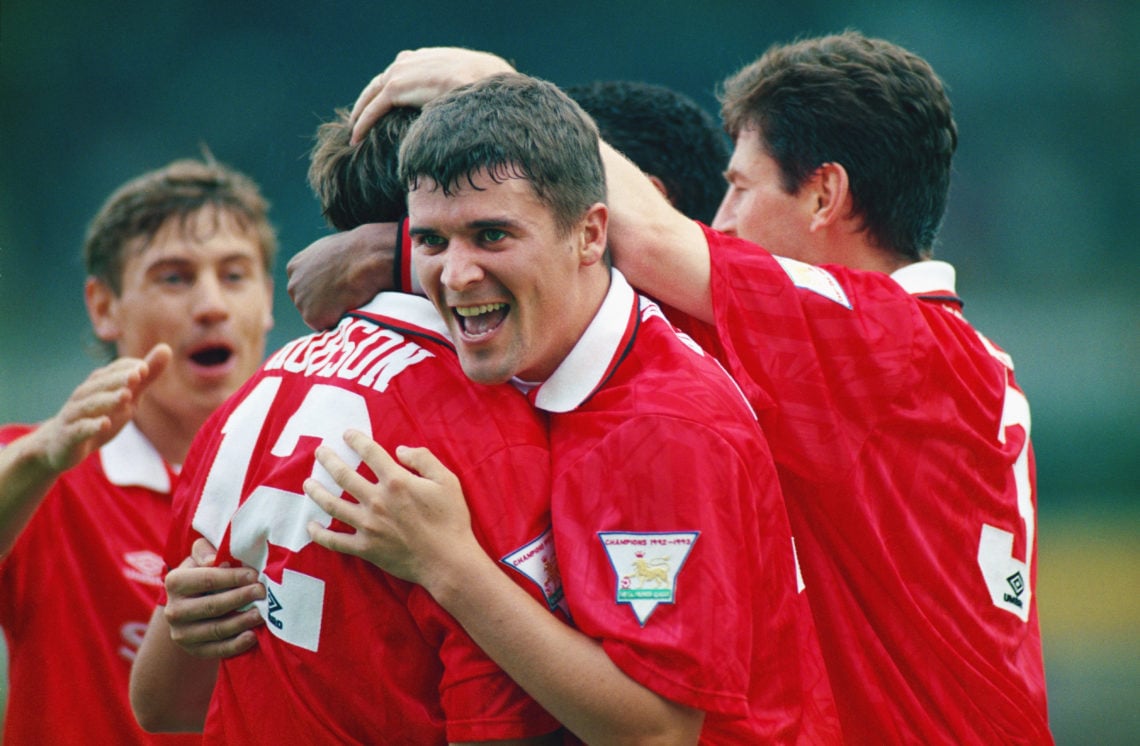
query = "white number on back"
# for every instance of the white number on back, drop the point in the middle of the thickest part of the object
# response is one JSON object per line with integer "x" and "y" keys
{"x": 269, "y": 515}
{"x": 1008, "y": 578}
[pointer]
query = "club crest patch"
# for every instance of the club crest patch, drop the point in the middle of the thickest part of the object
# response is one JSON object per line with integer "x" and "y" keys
{"x": 646, "y": 566}
{"x": 537, "y": 561}
{"x": 815, "y": 279}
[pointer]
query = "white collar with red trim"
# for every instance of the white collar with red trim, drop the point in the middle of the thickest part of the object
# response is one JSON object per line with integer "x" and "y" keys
{"x": 130, "y": 460}
{"x": 585, "y": 368}
{"x": 414, "y": 309}
{"x": 929, "y": 277}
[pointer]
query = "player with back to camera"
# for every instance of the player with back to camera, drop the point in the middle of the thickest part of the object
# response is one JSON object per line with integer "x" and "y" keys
{"x": 672, "y": 540}
{"x": 678, "y": 144}
{"x": 348, "y": 654}
{"x": 899, "y": 431}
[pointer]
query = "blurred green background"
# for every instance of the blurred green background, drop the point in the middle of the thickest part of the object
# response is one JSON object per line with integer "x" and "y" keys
{"x": 1043, "y": 217}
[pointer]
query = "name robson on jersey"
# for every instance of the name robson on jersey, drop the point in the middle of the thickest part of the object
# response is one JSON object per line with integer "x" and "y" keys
{"x": 357, "y": 350}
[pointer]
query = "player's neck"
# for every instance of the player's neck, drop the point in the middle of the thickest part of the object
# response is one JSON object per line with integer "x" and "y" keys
{"x": 171, "y": 435}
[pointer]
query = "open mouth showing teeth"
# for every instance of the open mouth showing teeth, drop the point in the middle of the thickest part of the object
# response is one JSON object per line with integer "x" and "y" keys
{"x": 212, "y": 356}
{"x": 479, "y": 320}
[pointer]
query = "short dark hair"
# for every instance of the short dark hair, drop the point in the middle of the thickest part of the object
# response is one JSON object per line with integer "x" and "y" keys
{"x": 509, "y": 125}
{"x": 868, "y": 104}
{"x": 180, "y": 190}
{"x": 667, "y": 134}
{"x": 358, "y": 184}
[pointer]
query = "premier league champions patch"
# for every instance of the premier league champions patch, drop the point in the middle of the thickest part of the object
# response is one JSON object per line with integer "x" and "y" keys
{"x": 537, "y": 561}
{"x": 647, "y": 566}
{"x": 815, "y": 279}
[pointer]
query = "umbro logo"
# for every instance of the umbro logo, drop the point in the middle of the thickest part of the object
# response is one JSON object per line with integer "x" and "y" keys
{"x": 274, "y": 606}
{"x": 1017, "y": 585}
{"x": 143, "y": 567}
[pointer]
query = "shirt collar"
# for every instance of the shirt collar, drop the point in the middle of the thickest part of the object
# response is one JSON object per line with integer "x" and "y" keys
{"x": 595, "y": 354}
{"x": 413, "y": 309}
{"x": 129, "y": 459}
{"x": 929, "y": 279}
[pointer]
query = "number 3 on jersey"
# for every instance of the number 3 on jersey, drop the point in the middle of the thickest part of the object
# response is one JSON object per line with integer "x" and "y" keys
{"x": 269, "y": 515}
{"x": 1008, "y": 578}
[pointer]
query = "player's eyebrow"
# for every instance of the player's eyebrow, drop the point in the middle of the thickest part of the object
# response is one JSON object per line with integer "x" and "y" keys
{"x": 493, "y": 223}
{"x": 473, "y": 225}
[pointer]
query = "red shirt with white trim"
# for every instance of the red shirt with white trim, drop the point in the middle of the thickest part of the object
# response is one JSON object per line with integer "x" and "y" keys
{"x": 671, "y": 534}
{"x": 76, "y": 592}
{"x": 902, "y": 443}
{"x": 348, "y": 653}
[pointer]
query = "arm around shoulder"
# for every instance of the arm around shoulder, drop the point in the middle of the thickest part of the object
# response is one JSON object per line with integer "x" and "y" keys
{"x": 660, "y": 251}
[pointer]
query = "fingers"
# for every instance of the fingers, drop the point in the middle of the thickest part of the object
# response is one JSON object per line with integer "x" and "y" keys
{"x": 423, "y": 462}
{"x": 339, "y": 508}
{"x": 215, "y": 617}
{"x": 370, "y": 91}
{"x": 374, "y": 455}
{"x": 156, "y": 361}
{"x": 203, "y": 552}
{"x": 189, "y": 580}
{"x": 344, "y": 476}
{"x": 219, "y": 638}
{"x": 209, "y": 609}
{"x": 337, "y": 541}
{"x": 418, "y": 76}
{"x": 377, "y": 106}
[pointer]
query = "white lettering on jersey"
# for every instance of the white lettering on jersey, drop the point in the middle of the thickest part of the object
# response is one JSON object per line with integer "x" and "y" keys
{"x": 358, "y": 351}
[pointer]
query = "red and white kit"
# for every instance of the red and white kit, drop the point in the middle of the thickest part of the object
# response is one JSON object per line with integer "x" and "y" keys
{"x": 672, "y": 537}
{"x": 76, "y": 592}
{"x": 350, "y": 654}
{"x": 902, "y": 443}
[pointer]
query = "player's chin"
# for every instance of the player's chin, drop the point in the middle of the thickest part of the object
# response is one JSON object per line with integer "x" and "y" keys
{"x": 484, "y": 366}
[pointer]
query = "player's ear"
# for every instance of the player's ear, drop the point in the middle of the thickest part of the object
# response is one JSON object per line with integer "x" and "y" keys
{"x": 831, "y": 193}
{"x": 593, "y": 233}
{"x": 103, "y": 309}
{"x": 661, "y": 188}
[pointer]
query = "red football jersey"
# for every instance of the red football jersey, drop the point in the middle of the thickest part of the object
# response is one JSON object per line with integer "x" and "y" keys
{"x": 76, "y": 593}
{"x": 671, "y": 533}
{"x": 902, "y": 443}
{"x": 350, "y": 654}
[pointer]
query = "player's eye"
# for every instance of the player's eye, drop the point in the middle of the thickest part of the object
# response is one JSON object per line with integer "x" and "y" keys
{"x": 235, "y": 275}
{"x": 174, "y": 278}
{"x": 429, "y": 242}
{"x": 492, "y": 235}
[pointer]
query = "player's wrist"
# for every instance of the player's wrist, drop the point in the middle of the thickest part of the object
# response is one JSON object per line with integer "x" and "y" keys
{"x": 452, "y": 575}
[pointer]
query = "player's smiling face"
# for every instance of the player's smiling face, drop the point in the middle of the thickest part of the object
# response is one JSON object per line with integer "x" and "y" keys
{"x": 201, "y": 287}
{"x": 515, "y": 290}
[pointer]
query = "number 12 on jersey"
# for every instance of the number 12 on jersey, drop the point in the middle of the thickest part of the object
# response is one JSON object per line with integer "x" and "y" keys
{"x": 294, "y": 607}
